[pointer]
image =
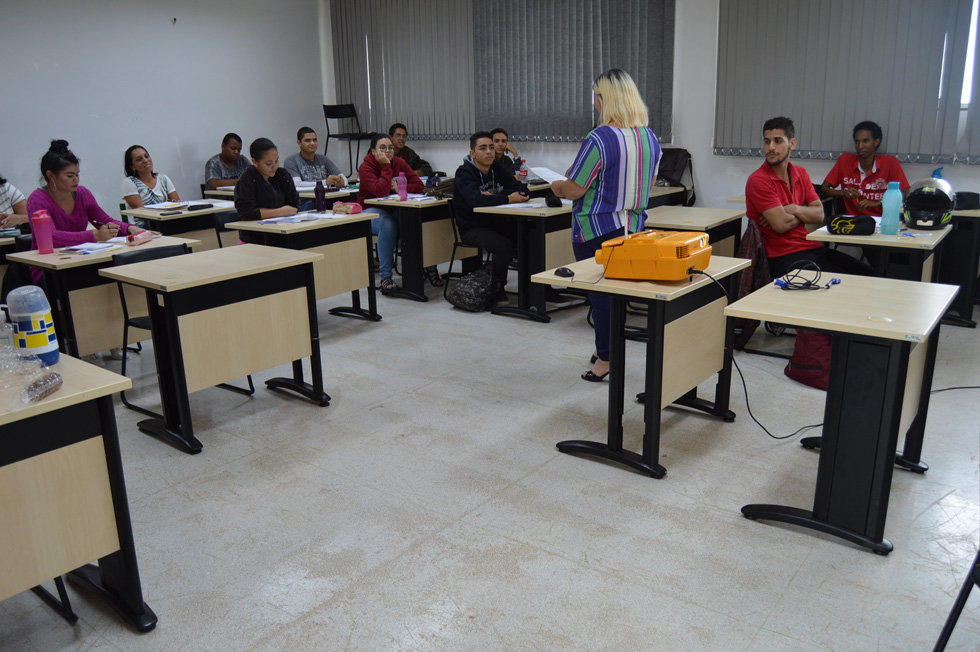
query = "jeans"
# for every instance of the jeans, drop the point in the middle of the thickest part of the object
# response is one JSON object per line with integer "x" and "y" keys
{"x": 385, "y": 226}
{"x": 601, "y": 303}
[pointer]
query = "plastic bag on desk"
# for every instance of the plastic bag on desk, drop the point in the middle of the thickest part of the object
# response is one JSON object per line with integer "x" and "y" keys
{"x": 16, "y": 371}
{"x": 39, "y": 388}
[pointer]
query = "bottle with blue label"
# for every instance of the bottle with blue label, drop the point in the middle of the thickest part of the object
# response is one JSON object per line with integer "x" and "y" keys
{"x": 33, "y": 326}
{"x": 891, "y": 204}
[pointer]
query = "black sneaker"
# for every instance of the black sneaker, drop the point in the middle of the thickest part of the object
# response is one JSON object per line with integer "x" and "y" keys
{"x": 502, "y": 298}
{"x": 554, "y": 296}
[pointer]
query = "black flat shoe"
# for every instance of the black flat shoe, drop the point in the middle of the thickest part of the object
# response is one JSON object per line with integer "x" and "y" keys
{"x": 592, "y": 378}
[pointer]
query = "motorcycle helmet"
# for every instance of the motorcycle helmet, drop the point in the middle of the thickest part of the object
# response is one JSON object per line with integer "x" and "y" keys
{"x": 928, "y": 204}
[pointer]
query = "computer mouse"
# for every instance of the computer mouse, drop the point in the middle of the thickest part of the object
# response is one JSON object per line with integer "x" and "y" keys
{"x": 564, "y": 272}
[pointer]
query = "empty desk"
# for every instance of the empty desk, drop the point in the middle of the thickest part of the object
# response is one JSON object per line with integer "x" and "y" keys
{"x": 723, "y": 225}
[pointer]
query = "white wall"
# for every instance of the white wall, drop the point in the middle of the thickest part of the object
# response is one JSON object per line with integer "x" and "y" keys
{"x": 106, "y": 74}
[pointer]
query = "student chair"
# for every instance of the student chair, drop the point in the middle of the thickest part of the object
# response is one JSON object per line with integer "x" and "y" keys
{"x": 340, "y": 112}
{"x": 457, "y": 243}
{"x": 139, "y": 256}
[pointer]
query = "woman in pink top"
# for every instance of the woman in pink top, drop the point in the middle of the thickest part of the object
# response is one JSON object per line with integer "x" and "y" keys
{"x": 71, "y": 206}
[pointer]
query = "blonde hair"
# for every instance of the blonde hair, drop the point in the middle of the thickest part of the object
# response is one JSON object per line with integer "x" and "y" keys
{"x": 620, "y": 102}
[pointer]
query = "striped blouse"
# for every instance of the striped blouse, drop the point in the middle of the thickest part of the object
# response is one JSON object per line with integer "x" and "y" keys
{"x": 617, "y": 168}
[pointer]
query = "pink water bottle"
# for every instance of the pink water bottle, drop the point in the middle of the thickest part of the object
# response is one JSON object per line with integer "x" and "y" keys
{"x": 41, "y": 228}
{"x": 402, "y": 187}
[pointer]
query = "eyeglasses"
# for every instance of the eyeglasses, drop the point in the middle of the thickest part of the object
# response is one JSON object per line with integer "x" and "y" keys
{"x": 389, "y": 148}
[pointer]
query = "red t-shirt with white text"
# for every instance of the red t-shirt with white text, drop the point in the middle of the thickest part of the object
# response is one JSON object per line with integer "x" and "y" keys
{"x": 846, "y": 173}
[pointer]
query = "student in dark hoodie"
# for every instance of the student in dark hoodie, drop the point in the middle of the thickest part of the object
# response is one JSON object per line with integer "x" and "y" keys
{"x": 482, "y": 181}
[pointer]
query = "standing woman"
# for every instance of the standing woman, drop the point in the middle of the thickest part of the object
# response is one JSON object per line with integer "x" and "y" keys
{"x": 610, "y": 183}
{"x": 265, "y": 190}
{"x": 378, "y": 174}
{"x": 142, "y": 186}
{"x": 72, "y": 207}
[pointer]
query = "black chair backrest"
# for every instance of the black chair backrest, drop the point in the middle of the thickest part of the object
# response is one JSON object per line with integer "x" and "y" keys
{"x": 452, "y": 220}
{"x": 23, "y": 242}
{"x": 673, "y": 164}
{"x": 153, "y": 253}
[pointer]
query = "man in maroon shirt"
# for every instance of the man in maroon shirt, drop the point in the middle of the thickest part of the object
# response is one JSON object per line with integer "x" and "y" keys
{"x": 780, "y": 198}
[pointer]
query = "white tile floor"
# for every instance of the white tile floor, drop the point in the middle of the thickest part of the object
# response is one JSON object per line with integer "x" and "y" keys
{"x": 428, "y": 509}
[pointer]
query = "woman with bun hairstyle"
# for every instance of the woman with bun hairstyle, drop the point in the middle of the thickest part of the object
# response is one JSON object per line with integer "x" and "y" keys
{"x": 72, "y": 207}
{"x": 378, "y": 174}
{"x": 265, "y": 190}
{"x": 142, "y": 186}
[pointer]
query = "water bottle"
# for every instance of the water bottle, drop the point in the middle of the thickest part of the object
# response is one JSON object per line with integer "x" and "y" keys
{"x": 891, "y": 203}
{"x": 41, "y": 228}
{"x": 321, "y": 197}
{"x": 522, "y": 171}
{"x": 402, "y": 187}
{"x": 33, "y": 326}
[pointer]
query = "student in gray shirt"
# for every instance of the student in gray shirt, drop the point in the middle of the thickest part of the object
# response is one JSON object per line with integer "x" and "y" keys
{"x": 224, "y": 169}
{"x": 307, "y": 165}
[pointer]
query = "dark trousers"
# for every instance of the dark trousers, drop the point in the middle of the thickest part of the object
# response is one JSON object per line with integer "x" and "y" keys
{"x": 601, "y": 303}
{"x": 829, "y": 260}
{"x": 500, "y": 240}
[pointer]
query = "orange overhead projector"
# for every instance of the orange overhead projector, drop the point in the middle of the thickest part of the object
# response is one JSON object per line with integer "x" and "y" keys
{"x": 654, "y": 255}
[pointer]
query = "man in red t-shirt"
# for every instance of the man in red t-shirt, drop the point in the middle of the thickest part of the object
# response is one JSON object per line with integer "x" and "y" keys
{"x": 863, "y": 177}
{"x": 780, "y": 198}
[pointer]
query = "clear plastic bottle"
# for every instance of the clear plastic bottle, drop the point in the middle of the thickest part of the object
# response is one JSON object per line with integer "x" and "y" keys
{"x": 33, "y": 326}
{"x": 891, "y": 203}
{"x": 522, "y": 171}
{"x": 402, "y": 187}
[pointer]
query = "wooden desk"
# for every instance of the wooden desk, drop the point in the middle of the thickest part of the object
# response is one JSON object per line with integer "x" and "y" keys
{"x": 348, "y": 255}
{"x": 228, "y": 192}
{"x": 7, "y": 246}
{"x": 738, "y": 199}
{"x": 885, "y": 334}
{"x": 196, "y": 225}
{"x": 903, "y": 257}
{"x": 87, "y": 314}
{"x": 63, "y": 496}
{"x": 422, "y": 222}
{"x": 224, "y": 314}
{"x": 668, "y": 195}
{"x": 723, "y": 225}
{"x": 544, "y": 240}
{"x": 689, "y": 340}
{"x": 960, "y": 265}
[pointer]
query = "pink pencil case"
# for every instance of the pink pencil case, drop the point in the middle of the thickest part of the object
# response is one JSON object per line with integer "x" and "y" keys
{"x": 346, "y": 208}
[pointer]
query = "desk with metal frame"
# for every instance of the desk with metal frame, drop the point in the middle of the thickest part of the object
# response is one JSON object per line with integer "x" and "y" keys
{"x": 689, "y": 340}
{"x": 348, "y": 253}
{"x": 63, "y": 495}
{"x": 885, "y": 333}
{"x": 909, "y": 256}
{"x": 85, "y": 306}
{"x": 723, "y": 225}
{"x": 961, "y": 265}
{"x": 224, "y": 314}
{"x": 195, "y": 224}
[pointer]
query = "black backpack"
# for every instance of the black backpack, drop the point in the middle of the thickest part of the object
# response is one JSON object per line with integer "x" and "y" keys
{"x": 475, "y": 291}
{"x": 673, "y": 164}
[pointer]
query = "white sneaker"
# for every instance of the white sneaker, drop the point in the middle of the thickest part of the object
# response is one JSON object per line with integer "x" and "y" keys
{"x": 117, "y": 353}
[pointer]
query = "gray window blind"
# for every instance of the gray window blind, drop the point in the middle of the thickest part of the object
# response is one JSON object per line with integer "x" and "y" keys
{"x": 829, "y": 64}
{"x": 406, "y": 61}
{"x": 446, "y": 68}
{"x": 535, "y": 62}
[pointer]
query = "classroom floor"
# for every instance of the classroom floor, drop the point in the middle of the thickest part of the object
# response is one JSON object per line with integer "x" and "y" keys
{"x": 428, "y": 509}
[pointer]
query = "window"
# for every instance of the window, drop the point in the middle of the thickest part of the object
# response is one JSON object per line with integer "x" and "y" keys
{"x": 830, "y": 64}
{"x": 446, "y": 68}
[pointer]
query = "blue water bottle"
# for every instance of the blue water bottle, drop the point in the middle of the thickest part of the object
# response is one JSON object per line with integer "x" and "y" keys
{"x": 891, "y": 203}
{"x": 33, "y": 326}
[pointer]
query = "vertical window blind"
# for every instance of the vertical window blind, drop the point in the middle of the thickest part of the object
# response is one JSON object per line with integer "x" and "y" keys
{"x": 829, "y": 64}
{"x": 446, "y": 68}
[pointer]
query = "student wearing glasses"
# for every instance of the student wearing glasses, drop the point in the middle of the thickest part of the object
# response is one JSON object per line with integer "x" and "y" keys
{"x": 378, "y": 178}
{"x": 399, "y": 136}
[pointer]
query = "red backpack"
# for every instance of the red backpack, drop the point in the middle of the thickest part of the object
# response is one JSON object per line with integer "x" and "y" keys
{"x": 810, "y": 362}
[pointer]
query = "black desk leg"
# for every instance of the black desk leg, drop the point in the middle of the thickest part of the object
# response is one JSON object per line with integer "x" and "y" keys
{"x": 861, "y": 420}
{"x": 613, "y": 448}
{"x": 296, "y": 384}
{"x": 355, "y": 309}
{"x": 410, "y": 232}
{"x": 61, "y": 307}
{"x": 117, "y": 579}
{"x": 176, "y": 428}
{"x": 910, "y": 458}
{"x": 530, "y": 296}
